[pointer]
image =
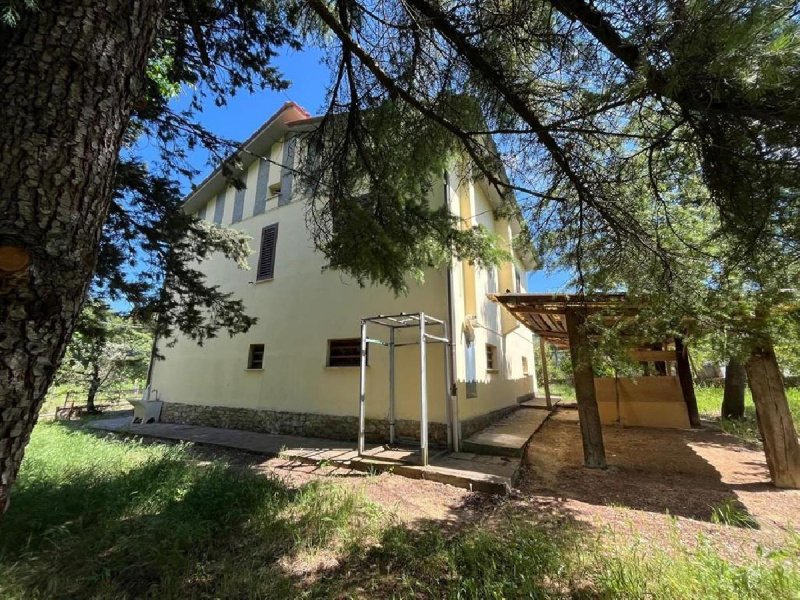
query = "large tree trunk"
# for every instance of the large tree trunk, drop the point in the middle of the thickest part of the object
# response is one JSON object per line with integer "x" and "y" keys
{"x": 580, "y": 349}
{"x": 733, "y": 397}
{"x": 70, "y": 71}
{"x": 774, "y": 419}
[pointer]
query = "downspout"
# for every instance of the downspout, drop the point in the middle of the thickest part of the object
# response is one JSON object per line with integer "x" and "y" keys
{"x": 455, "y": 423}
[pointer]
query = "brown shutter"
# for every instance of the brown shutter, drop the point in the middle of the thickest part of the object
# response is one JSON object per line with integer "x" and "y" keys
{"x": 266, "y": 260}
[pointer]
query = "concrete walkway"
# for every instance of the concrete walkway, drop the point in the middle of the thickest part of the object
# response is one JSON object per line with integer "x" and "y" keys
{"x": 492, "y": 474}
{"x": 541, "y": 402}
{"x": 509, "y": 435}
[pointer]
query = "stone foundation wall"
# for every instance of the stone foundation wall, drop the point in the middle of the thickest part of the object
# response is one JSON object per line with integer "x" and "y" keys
{"x": 316, "y": 425}
{"x": 295, "y": 423}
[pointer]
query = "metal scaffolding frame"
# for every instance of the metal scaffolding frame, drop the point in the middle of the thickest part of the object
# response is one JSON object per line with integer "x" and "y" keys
{"x": 393, "y": 323}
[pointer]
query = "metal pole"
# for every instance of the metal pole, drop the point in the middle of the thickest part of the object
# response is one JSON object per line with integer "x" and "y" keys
{"x": 362, "y": 390}
{"x": 447, "y": 399}
{"x": 391, "y": 386}
{"x": 423, "y": 394}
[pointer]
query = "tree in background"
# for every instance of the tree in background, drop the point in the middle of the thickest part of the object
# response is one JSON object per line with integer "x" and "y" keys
{"x": 106, "y": 349}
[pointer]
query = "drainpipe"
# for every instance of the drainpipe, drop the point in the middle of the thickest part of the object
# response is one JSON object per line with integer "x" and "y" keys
{"x": 455, "y": 424}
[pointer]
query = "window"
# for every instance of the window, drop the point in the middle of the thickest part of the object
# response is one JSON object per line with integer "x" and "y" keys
{"x": 491, "y": 357}
{"x": 255, "y": 358}
{"x": 266, "y": 259}
{"x": 275, "y": 190}
{"x": 517, "y": 280}
{"x": 345, "y": 353}
{"x": 525, "y": 370}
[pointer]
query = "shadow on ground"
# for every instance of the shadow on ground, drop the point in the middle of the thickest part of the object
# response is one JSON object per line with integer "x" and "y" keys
{"x": 654, "y": 470}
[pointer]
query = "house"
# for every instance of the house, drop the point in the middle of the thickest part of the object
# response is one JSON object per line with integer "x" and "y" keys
{"x": 297, "y": 370}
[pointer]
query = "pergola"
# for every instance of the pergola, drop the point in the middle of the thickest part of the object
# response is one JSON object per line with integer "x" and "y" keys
{"x": 563, "y": 320}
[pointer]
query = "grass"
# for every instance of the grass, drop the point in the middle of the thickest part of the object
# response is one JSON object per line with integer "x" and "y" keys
{"x": 107, "y": 518}
{"x": 709, "y": 402}
{"x": 566, "y": 391}
{"x": 523, "y": 560}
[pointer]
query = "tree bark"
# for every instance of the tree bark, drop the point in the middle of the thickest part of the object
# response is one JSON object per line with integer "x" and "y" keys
{"x": 580, "y": 349}
{"x": 70, "y": 72}
{"x": 774, "y": 418}
{"x": 94, "y": 385}
{"x": 684, "y": 367}
{"x": 733, "y": 397}
{"x": 660, "y": 366}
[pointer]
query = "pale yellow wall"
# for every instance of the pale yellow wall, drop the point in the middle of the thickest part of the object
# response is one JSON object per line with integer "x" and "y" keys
{"x": 298, "y": 312}
{"x": 303, "y": 307}
{"x": 498, "y": 389}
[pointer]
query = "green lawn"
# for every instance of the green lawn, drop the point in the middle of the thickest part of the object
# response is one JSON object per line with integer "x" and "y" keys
{"x": 709, "y": 401}
{"x": 105, "y": 518}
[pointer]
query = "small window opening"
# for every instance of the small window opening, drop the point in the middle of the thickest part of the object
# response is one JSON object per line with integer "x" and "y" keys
{"x": 255, "y": 358}
{"x": 345, "y": 352}
{"x": 491, "y": 357}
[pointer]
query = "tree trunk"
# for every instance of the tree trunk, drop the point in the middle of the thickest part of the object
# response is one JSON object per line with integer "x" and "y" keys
{"x": 774, "y": 419}
{"x": 660, "y": 366}
{"x": 580, "y": 349}
{"x": 733, "y": 397}
{"x": 683, "y": 366}
{"x": 70, "y": 72}
{"x": 90, "y": 396}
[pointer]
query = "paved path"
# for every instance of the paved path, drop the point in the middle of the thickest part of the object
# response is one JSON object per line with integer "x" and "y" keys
{"x": 509, "y": 435}
{"x": 493, "y": 474}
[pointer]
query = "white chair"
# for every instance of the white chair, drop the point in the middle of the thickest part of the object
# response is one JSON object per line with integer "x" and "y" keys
{"x": 146, "y": 410}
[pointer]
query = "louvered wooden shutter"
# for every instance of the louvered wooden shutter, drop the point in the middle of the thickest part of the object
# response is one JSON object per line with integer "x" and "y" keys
{"x": 266, "y": 260}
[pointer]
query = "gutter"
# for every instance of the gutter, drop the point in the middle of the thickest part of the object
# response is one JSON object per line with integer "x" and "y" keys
{"x": 454, "y": 423}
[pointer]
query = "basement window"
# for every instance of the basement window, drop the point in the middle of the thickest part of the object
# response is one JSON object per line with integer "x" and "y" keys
{"x": 525, "y": 370}
{"x": 255, "y": 358}
{"x": 491, "y": 357}
{"x": 345, "y": 352}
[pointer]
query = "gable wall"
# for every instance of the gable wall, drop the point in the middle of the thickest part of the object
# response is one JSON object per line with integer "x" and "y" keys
{"x": 303, "y": 307}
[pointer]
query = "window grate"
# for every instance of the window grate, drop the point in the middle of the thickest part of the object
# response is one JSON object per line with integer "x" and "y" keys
{"x": 255, "y": 358}
{"x": 491, "y": 357}
{"x": 345, "y": 352}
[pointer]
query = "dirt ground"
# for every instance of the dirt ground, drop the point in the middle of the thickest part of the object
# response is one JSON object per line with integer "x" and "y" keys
{"x": 659, "y": 483}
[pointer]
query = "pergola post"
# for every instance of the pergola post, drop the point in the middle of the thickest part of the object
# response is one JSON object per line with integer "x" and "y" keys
{"x": 580, "y": 350}
{"x": 545, "y": 375}
{"x": 684, "y": 369}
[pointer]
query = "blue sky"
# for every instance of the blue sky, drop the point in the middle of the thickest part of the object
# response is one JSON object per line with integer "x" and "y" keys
{"x": 245, "y": 112}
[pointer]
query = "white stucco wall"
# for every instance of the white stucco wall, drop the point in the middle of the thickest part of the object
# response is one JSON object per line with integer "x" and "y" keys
{"x": 303, "y": 307}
